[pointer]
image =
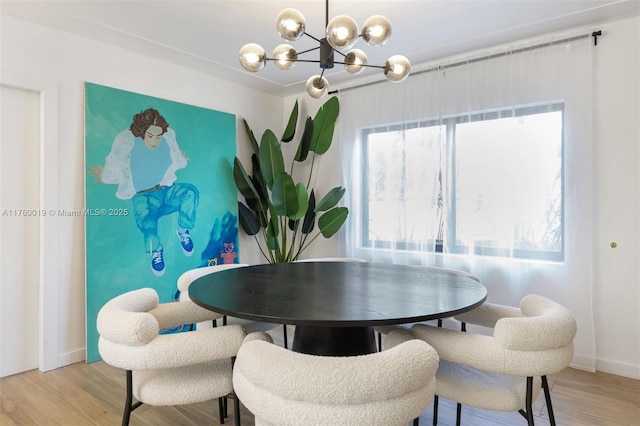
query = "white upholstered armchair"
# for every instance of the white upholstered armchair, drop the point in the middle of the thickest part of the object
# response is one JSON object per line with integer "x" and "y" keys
{"x": 167, "y": 369}
{"x": 282, "y": 387}
{"x": 503, "y": 371}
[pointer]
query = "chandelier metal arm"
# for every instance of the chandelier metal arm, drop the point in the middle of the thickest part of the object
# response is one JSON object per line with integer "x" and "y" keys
{"x": 315, "y": 61}
{"x": 363, "y": 65}
{"x": 320, "y": 41}
{"x": 309, "y": 50}
{"x": 310, "y": 36}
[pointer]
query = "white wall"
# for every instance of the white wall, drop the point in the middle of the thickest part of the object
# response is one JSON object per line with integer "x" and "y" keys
{"x": 616, "y": 204}
{"x": 68, "y": 61}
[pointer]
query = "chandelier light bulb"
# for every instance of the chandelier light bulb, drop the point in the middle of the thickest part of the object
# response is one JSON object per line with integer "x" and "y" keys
{"x": 342, "y": 32}
{"x": 252, "y": 57}
{"x": 397, "y": 68}
{"x": 376, "y": 30}
{"x": 284, "y": 56}
{"x": 317, "y": 86}
{"x": 354, "y": 61}
{"x": 290, "y": 24}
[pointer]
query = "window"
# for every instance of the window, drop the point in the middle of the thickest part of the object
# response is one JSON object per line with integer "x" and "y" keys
{"x": 488, "y": 183}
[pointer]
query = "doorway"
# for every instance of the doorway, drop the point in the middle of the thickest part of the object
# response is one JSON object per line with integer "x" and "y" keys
{"x": 40, "y": 259}
{"x": 19, "y": 229}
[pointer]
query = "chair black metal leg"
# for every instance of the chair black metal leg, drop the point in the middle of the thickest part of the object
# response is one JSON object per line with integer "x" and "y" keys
{"x": 236, "y": 410}
{"x": 547, "y": 398}
{"x": 416, "y": 421}
{"x": 221, "y": 411}
{"x": 379, "y": 342}
{"x": 435, "y": 410}
{"x": 128, "y": 401}
{"x": 129, "y": 406}
{"x": 458, "y": 413}
{"x": 529, "y": 401}
{"x": 284, "y": 334}
{"x": 440, "y": 322}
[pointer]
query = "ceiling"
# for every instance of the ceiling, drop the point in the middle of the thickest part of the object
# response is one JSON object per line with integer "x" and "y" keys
{"x": 207, "y": 34}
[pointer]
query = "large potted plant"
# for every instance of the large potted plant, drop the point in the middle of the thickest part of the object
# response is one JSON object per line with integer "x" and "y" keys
{"x": 282, "y": 215}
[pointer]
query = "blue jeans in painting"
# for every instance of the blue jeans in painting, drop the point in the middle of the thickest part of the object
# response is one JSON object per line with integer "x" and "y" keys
{"x": 150, "y": 205}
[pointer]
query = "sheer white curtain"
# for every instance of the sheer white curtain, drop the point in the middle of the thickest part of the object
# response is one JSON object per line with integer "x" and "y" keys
{"x": 402, "y": 129}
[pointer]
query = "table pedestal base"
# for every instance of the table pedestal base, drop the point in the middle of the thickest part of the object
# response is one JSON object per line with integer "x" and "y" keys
{"x": 334, "y": 341}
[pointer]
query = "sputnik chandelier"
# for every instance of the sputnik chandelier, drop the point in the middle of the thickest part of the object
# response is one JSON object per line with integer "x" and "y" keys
{"x": 341, "y": 34}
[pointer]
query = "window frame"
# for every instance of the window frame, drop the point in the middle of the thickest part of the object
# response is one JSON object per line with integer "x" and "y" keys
{"x": 451, "y": 244}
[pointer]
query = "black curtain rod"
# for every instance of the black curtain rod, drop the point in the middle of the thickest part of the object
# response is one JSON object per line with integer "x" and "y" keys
{"x": 594, "y": 34}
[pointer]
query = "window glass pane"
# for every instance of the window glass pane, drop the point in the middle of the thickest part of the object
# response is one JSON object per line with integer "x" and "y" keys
{"x": 508, "y": 183}
{"x": 402, "y": 182}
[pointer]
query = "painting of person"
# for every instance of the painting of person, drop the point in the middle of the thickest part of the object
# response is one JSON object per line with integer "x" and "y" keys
{"x": 143, "y": 162}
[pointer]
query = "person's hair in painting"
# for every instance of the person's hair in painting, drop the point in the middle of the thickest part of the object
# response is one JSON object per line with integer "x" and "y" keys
{"x": 146, "y": 118}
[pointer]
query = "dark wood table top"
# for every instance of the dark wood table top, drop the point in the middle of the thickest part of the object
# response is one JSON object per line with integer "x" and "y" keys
{"x": 337, "y": 294}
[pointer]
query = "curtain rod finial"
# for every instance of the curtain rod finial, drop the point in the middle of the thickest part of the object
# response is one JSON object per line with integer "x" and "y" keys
{"x": 595, "y": 36}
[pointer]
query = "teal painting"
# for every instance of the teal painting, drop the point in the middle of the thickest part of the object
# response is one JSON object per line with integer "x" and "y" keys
{"x": 160, "y": 195}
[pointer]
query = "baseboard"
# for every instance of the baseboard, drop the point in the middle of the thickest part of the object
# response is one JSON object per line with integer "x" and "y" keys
{"x": 582, "y": 362}
{"x": 71, "y": 358}
{"x": 585, "y": 363}
{"x": 618, "y": 368}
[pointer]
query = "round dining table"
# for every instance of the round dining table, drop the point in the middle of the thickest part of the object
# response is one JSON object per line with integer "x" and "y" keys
{"x": 335, "y": 305}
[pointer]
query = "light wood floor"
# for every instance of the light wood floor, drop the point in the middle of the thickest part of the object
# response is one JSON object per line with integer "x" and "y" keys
{"x": 93, "y": 394}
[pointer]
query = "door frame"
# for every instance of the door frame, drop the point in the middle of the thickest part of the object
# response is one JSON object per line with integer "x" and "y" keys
{"x": 48, "y": 269}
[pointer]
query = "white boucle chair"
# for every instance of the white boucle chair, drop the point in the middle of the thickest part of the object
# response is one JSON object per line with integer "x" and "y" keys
{"x": 386, "y": 329}
{"x": 287, "y": 388}
{"x": 167, "y": 369}
{"x": 502, "y": 372}
{"x": 185, "y": 280}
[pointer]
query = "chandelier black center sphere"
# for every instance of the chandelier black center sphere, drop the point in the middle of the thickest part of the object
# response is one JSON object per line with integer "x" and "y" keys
{"x": 341, "y": 33}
